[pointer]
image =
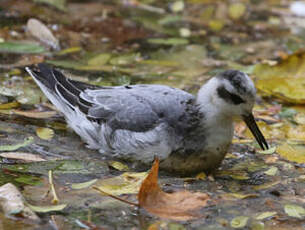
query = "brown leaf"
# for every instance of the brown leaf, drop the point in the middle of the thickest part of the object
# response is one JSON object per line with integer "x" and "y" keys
{"x": 181, "y": 205}
{"x": 27, "y": 157}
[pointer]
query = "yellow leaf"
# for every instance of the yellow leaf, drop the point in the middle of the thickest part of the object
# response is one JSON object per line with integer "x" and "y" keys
{"x": 295, "y": 153}
{"x": 284, "y": 80}
{"x": 127, "y": 183}
{"x": 237, "y": 10}
{"x": 294, "y": 210}
{"x": 265, "y": 215}
{"x": 83, "y": 184}
{"x": 119, "y": 166}
{"x": 45, "y": 133}
{"x": 239, "y": 222}
{"x": 9, "y": 105}
{"x": 272, "y": 171}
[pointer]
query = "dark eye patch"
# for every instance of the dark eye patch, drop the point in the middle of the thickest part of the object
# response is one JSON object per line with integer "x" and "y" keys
{"x": 229, "y": 97}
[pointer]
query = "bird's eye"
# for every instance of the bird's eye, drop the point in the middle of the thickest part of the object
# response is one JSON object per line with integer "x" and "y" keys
{"x": 229, "y": 97}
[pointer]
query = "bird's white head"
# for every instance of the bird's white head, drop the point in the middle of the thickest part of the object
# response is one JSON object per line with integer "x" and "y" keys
{"x": 231, "y": 94}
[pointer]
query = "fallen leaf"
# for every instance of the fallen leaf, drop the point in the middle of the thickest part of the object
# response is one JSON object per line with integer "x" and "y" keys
{"x": 59, "y": 4}
{"x": 35, "y": 113}
{"x": 83, "y": 184}
{"x": 268, "y": 151}
{"x": 44, "y": 209}
{"x": 42, "y": 33}
{"x": 168, "y": 41}
{"x": 265, "y": 215}
{"x": 9, "y": 105}
{"x": 18, "y": 47}
{"x": 232, "y": 196}
{"x": 181, "y": 205}
{"x": 271, "y": 171}
{"x": 239, "y": 222}
{"x": 12, "y": 203}
{"x": 26, "y": 142}
{"x": 127, "y": 183}
{"x": 45, "y": 133}
{"x": 99, "y": 60}
{"x": 118, "y": 166}
{"x": 237, "y": 10}
{"x": 27, "y": 157}
{"x": 266, "y": 185}
{"x": 285, "y": 80}
{"x": 294, "y": 210}
{"x": 293, "y": 153}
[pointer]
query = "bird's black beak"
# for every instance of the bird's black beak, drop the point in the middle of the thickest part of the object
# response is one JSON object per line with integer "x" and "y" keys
{"x": 249, "y": 119}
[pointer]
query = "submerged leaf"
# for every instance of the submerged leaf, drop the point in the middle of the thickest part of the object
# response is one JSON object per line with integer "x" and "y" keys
{"x": 119, "y": 166}
{"x": 168, "y": 41}
{"x": 27, "y": 141}
{"x": 180, "y": 205}
{"x": 271, "y": 171}
{"x": 239, "y": 221}
{"x": 237, "y": 10}
{"x": 59, "y": 4}
{"x": 45, "y": 133}
{"x": 294, "y": 210}
{"x": 27, "y": 157}
{"x": 35, "y": 113}
{"x": 294, "y": 153}
{"x": 83, "y": 184}
{"x": 9, "y": 105}
{"x": 268, "y": 151}
{"x": 284, "y": 80}
{"x": 18, "y": 47}
{"x": 100, "y": 59}
{"x": 265, "y": 215}
{"x": 44, "y": 209}
{"x": 127, "y": 183}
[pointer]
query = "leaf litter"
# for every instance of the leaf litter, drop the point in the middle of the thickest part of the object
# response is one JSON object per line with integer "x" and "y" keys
{"x": 152, "y": 42}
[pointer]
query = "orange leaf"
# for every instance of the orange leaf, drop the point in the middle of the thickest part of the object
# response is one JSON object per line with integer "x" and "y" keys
{"x": 181, "y": 205}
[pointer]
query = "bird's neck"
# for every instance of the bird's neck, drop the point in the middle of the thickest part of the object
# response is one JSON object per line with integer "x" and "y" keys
{"x": 217, "y": 123}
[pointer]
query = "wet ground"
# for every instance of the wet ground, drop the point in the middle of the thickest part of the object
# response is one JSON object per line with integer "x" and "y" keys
{"x": 177, "y": 43}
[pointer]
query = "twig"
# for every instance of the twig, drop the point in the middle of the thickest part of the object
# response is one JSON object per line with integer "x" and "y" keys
{"x": 115, "y": 197}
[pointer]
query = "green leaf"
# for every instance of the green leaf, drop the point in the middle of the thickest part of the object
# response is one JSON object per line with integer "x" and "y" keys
{"x": 265, "y": 215}
{"x": 168, "y": 41}
{"x": 100, "y": 59}
{"x": 237, "y": 10}
{"x": 18, "y": 47}
{"x": 44, "y": 209}
{"x": 268, "y": 151}
{"x": 26, "y": 142}
{"x": 294, "y": 210}
{"x": 239, "y": 222}
{"x": 271, "y": 171}
{"x": 59, "y": 4}
{"x": 84, "y": 184}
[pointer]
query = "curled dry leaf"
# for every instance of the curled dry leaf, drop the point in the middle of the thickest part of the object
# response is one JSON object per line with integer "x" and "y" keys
{"x": 12, "y": 203}
{"x": 181, "y": 205}
{"x": 41, "y": 32}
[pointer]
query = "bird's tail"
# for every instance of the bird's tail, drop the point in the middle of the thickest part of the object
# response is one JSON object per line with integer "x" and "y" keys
{"x": 64, "y": 93}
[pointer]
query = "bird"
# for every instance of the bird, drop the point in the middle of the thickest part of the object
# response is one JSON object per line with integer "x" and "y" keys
{"x": 136, "y": 123}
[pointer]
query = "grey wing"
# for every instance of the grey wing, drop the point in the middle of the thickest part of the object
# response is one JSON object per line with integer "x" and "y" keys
{"x": 137, "y": 108}
{"x": 139, "y": 122}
